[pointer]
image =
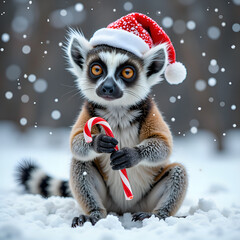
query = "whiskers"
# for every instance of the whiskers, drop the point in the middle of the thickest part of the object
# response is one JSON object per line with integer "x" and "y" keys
{"x": 134, "y": 94}
{"x": 73, "y": 90}
{"x": 76, "y": 91}
{"x": 87, "y": 89}
{"x": 130, "y": 92}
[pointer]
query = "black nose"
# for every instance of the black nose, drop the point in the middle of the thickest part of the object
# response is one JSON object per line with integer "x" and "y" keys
{"x": 109, "y": 89}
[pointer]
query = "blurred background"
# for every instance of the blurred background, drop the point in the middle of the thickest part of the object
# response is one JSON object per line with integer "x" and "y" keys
{"x": 37, "y": 91}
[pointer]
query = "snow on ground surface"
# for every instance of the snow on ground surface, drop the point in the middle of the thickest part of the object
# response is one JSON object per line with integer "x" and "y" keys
{"x": 212, "y": 203}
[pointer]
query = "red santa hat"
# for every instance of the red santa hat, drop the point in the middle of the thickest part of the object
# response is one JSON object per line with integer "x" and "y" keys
{"x": 138, "y": 33}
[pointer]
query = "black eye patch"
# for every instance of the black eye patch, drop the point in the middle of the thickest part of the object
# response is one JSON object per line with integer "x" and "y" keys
{"x": 100, "y": 65}
{"x": 127, "y": 73}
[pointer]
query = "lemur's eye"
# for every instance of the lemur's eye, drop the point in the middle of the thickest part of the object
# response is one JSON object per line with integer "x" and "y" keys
{"x": 96, "y": 70}
{"x": 127, "y": 72}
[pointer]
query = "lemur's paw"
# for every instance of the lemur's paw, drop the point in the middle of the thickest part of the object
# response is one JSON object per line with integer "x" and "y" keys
{"x": 79, "y": 221}
{"x": 104, "y": 144}
{"x": 124, "y": 158}
{"x": 139, "y": 216}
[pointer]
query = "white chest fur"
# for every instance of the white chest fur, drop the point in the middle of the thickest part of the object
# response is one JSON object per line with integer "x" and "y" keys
{"x": 120, "y": 121}
{"x": 140, "y": 177}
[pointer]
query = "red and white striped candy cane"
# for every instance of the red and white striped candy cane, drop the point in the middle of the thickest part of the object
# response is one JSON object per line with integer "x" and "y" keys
{"x": 108, "y": 131}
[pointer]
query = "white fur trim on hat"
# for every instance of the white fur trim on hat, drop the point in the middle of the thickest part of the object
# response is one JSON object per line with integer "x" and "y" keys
{"x": 120, "y": 39}
{"x": 175, "y": 73}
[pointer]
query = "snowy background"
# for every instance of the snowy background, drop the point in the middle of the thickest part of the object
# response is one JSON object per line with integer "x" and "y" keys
{"x": 203, "y": 112}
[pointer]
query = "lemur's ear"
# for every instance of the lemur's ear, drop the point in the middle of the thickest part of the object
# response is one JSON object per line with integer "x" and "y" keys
{"x": 78, "y": 47}
{"x": 155, "y": 62}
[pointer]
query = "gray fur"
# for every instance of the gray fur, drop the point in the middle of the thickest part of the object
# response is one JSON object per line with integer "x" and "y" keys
{"x": 149, "y": 152}
{"x": 82, "y": 150}
{"x": 152, "y": 151}
{"x": 83, "y": 178}
{"x": 175, "y": 190}
{"x": 80, "y": 147}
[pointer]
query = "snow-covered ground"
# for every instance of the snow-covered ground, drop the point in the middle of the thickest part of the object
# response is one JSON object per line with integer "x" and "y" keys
{"x": 212, "y": 203}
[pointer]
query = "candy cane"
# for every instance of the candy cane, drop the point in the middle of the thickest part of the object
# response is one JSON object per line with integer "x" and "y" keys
{"x": 108, "y": 131}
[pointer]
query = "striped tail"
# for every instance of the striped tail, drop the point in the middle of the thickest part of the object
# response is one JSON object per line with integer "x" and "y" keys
{"x": 36, "y": 181}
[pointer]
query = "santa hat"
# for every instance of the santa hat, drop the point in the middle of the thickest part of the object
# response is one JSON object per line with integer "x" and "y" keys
{"x": 138, "y": 33}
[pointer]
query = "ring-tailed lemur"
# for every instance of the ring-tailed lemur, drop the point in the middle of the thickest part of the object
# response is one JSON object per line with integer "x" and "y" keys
{"x": 116, "y": 85}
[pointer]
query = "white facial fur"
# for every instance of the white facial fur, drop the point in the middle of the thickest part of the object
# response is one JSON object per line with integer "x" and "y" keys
{"x": 112, "y": 59}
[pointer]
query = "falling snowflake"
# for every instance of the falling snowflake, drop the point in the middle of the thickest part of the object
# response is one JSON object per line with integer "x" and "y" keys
{"x": 200, "y": 85}
{"x": 212, "y": 82}
{"x": 179, "y": 26}
{"x": 56, "y": 114}
{"x": 172, "y": 99}
{"x": 13, "y": 72}
{"x": 26, "y": 49}
{"x": 25, "y": 98}
{"x": 194, "y": 123}
{"x": 167, "y": 22}
{"x": 236, "y": 27}
{"x": 213, "y": 32}
{"x": 40, "y": 85}
{"x": 213, "y": 67}
{"x": 128, "y": 6}
{"x": 5, "y": 37}
{"x": 79, "y": 7}
{"x": 20, "y": 24}
{"x": 222, "y": 104}
{"x": 23, "y": 121}
{"x": 63, "y": 12}
{"x": 194, "y": 130}
{"x": 191, "y": 25}
{"x": 32, "y": 78}
{"x": 211, "y": 99}
{"x": 8, "y": 95}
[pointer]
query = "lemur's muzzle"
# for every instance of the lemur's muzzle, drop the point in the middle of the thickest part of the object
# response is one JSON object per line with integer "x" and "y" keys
{"x": 109, "y": 90}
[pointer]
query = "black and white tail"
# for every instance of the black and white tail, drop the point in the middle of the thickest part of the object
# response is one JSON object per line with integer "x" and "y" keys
{"x": 35, "y": 181}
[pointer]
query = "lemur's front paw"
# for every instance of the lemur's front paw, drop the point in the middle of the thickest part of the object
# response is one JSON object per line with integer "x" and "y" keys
{"x": 104, "y": 144}
{"x": 124, "y": 158}
{"x": 139, "y": 216}
{"x": 79, "y": 221}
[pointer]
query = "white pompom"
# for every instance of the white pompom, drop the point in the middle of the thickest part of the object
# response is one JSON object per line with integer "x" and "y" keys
{"x": 175, "y": 73}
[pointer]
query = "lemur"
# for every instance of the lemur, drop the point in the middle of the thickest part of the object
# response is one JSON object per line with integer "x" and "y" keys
{"x": 116, "y": 85}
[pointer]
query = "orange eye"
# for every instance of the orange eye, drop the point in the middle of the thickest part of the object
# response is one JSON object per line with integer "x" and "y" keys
{"x": 96, "y": 70}
{"x": 127, "y": 72}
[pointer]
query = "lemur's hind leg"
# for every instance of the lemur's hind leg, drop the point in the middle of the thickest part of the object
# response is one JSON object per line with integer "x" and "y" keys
{"x": 89, "y": 190}
{"x": 167, "y": 195}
